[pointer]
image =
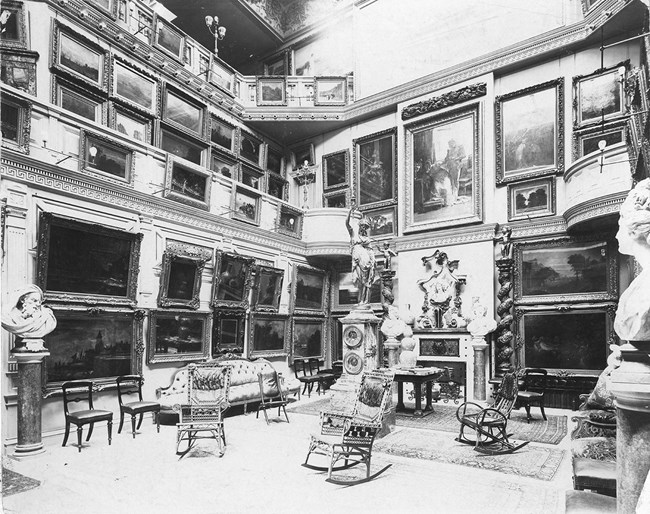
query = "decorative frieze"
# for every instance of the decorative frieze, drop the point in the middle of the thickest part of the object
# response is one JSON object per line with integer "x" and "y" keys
{"x": 436, "y": 103}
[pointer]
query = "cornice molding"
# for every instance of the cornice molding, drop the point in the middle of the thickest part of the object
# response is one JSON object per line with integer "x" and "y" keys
{"x": 595, "y": 208}
{"x": 457, "y": 235}
{"x": 544, "y": 227}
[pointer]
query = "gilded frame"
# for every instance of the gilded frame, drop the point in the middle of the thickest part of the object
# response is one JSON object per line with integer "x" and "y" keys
{"x": 271, "y": 90}
{"x": 245, "y": 204}
{"x": 339, "y": 199}
{"x": 77, "y": 96}
{"x": 252, "y": 177}
{"x": 289, "y": 221}
{"x": 18, "y": 10}
{"x": 134, "y": 86}
{"x": 169, "y": 328}
{"x": 176, "y": 267}
{"x": 74, "y": 271}
{"x": 112, "y": 160}
{"x": 23, "y": 122}
{"x": 265, "y": 327}
{"x": 187, "y": 183}
{"x": 585, "y": 140}
{"x": 372, "y": 154}
{"x": 541, "y": 275}
{"x": 110, "y": 9}
{"x": 220, "y": 140}
{"x": 251, "y": 148}
{"x": 590, "y": 90}
{"x": 231, "y": 340}
{"x": 276, "y": 186}
{"x": 119, "y": 118}
{"x": 383, "y": 221}
{"x": 183, "y": 113}
{"x": 274, "y": 164}
{"x": 336, "y": 170}
{"x": 224, "y": 162}
{"x": 232, "y": 281}
{"x": 344, "y": 293}
{"x": 19, "y": 70}
{"x": 181, "y": 145}
{"x": 309, "y": 290}
{"x": 330, "y": 90}
{"x": 267, "y": 288}
{"x": 165, "y": 38}
{"x": 433, "y": 200}
{"x": 311, "y": 327}
{"x": 531, "y": 191}
{"x": 515, "y": 159}
{"x": 300, "y": 153}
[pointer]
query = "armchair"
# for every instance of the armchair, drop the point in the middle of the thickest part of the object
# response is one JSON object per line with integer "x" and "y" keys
{"x": 350, "y": 437}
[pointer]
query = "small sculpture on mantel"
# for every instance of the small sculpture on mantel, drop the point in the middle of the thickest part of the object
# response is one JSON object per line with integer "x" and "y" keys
{"x": 29, "y": 320}
{"x": 506, "y": 243}
{"x": 364, "y": 267}
{"x": 388, "y": 255}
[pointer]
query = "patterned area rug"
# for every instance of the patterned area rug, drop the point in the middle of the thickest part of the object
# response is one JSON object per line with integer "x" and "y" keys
{"x": 13, "y": 482}
{"x": 444, "y": 419}
{"x": 530, "y": 461}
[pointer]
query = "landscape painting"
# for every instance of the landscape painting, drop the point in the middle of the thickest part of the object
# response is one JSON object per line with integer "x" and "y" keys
{"x": 187, "y": 183}
{"x": 309, "y": 291}
{"x": 81, "y": 60}
{"x": 599, "y": 97}
{"x": 330, "y": 90}
{"x": 308, "y": 335}
{"x": 134, "y": 88}
{"x": 271, "y": 91}
{"x": 176, "y": 335}
{"x": 183, "y": 113}
{"x": 531, "y": 199}
{"x": 106, "y": 157}
{"x": 268, "y": 335}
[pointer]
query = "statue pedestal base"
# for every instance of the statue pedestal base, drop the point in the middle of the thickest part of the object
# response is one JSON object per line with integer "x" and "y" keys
{"x": 29, "y": 403}
{"x": 480, "y": 347}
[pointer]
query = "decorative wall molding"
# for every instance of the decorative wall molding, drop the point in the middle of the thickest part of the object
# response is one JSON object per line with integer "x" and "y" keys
{"x": 446, "y": 100}
{"x": 596, "y": 208}
{"x": 475, "y": 234}
{"x": 548, "y": 226}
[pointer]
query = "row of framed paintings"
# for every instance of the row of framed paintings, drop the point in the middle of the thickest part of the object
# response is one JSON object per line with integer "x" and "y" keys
{"x": 272, "y": 90}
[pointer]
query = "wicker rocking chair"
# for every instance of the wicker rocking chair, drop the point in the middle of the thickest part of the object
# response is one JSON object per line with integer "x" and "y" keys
{"x": 490, "y": 423}
{"x": 350, "y": 438}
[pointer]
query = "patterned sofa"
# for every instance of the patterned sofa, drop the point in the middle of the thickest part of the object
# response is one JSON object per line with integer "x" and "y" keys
{"x": 244, "y": 385}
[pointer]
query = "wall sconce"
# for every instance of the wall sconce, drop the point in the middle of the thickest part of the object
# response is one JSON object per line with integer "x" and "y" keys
{"x": 218, "y": 31}
{"x": 92, "y": 151}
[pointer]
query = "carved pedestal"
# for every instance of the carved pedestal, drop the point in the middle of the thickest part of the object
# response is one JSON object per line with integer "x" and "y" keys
{"x": 392, "y": 347}
{"x": 480, "y": 347}
{"x": 29, "y": 403}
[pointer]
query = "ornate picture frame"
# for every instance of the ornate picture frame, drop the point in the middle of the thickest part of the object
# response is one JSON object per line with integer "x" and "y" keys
{"x": 267, "y": 288}
{"x": 228, "y": 329}
{"x": 184, "y": 113}
{"x": 187, "y": 183}
{"x": 245, "y": 204}
{"x": 14, "y": 34}
{"x": 375, "y": 169}
{"x": 180, "y": 280}
{"x": 274, "y": 160}
{"x": 289, "y": 221}
{"x": 232, "y": 281}
{"x": 565, "y": 270}
{"x": 181, "y": 145}
{"x": 339, "y": 199}
{"x": 530, "y": 132}
{"x": 531, "y": 199}
{"x": 224, "y": 135}
{"x": 106, "y": 158}
{"x": 300, "y": 153}
{"x": 225, "y": 165}
{"x": 222, "y": 76}
{"x": 130, "y": 123}
{"x": 336, "y": 170}
{"x": 19, "y": 71}
{"x": 78, "y": 100}
{"x": 250, "y": 148}
{"x": 178, "y": 336}
{"x": 309, "y": 290}
{"x": 169, "y": 39}
{"x": 308, "y": 337}
{"x": 444, "y": 173}
{"x": 599, "y": 96}
{"x": 134, "y": 86}
{"x": 268, "y": 335}
{"x": 16, "y": 122}
{"x": 330, "y": 90}
{"x": 276, "y": 186}
{"x": 383, "y": 222}
{"x": 96, "y": 344}
{"x": 108, "y": 7}
{"x": 74, "y": 258}
{"x": 345, "y": 293}
{"x": 271, "y": 90}
{"x": 251, "y": 177}
{"x": 585, "y": 141}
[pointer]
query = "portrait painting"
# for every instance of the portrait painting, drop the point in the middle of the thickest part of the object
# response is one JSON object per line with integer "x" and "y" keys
{"x": 245, "y": 205}
{"x": 529, "y": 127}
{"x": 531, "y": 199}
{"x": 271, "y": 91}
{"x": 336, "y": 168}
{"x": 184, "y": 114}
{"x": 375, "y": 168}
{"x": 176, "y": 335}
{"x": 267, "y": 289}
{"x": 222, "y": 134}
{"x": 330, "y": 90}
{"x": 228, "y": 331}
{"x": 180, "y": 280}
{"x": 307, "y": 338}
{"x": 443, "y": 171}
{"x": 232, "y": 280}
{"x": 187, "y": 183}
{"x": 105, "y": 156}
{"x": 309, "y": 290}
{"x": 181, "y": 147}
{"x": 134, "y": 88}
{"x": 599, "y": 96}
{"x": 268, "y": 335}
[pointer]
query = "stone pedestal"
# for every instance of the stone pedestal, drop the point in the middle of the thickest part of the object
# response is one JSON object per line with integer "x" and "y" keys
{"x": 392, "y": 347}
{"x": 480, "y": 347}
{"x": 631, "y": 385}
{"x": 29, "y": 403}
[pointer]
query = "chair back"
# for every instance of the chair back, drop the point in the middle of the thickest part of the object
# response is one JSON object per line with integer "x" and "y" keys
{"x": 76, "y": 391}
{"x": 506, "y": 396}
{"x": 129, "y": 384}
{"x": 208, "y": 384}
{"x": 535, "y": 380}
{"x": 374, "y": 391}
{"x": 300, "y": 367}
{"x": 314, "y": 365}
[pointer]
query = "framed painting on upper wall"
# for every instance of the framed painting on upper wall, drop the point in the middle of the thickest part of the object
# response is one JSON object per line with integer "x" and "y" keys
{"x": 330, "y": 90}
{"x": 310, "y": 290}
{"x": 245, "y": 205}
{"x": 274, "y": 160}
{"x": 228, "y": 328}
{"x": 530, "y": 132}
{"x": 250, "y": 148}
{"x": 586, "y": 141}
{"x": 224, "y": 166}
{"x": 78, "y": 100}
{"x": 271, "y": 91}
{"x": 180, "y": 280}
{"x": 135, "y": 87}
{"x": 187, "y": 183}
{"x": 223, "y": 134}
{"x": 599, "y": 96}
{"x": 337, "y": 199}
{"x": 184, "y": 113}
{"x": 443, "y": 171}
{"x": 106, "y": 158}
{"x": 301, "y": 154}
{"x": 267, "y": 288}
{"x": 531, "y": 199}
{"x": 13, "y": 34}
{"x": 232, "y": 281}
{"x": 383, "y": 221}
{"x": 375, "y": 168}
{"x": 289, "y": 221}
{"x": 131, "y": 124}
{"x": 336, "y": 170}
{"x": 169, "y": 39}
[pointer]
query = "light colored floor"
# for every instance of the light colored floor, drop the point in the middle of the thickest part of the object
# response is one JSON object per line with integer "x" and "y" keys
{"x": 260, "y": 472}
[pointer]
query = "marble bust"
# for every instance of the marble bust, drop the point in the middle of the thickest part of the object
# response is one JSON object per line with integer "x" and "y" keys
{"x": 632, "y": 321}
{"x": 28, "y": 319}
{"x": 480, "y": 325}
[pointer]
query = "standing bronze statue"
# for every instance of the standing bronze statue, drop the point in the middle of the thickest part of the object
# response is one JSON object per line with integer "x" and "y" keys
{"x": 364, "y": 266}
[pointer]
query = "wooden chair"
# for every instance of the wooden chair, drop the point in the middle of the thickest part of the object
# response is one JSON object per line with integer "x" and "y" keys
{"x": 532, "y": 393}
{"x": 350, "y": 437}
{"x": 271, "y": 394}
{"x": 326, "y": 376}
{"x": 490, "y": 423}
{"x": 82, "y": 391}
{"x": 207, "y": 398}
{"x": 303, "y": 373}
{"x": 132, "y": 384}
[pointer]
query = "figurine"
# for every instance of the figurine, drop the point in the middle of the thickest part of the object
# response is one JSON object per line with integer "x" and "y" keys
{"x": 632, "y": 322}
{"x": 388, "y": 255}
{"x": 506, "y": 244}
{"x": 364, "y": 266}
{"x": 29, "y": 320}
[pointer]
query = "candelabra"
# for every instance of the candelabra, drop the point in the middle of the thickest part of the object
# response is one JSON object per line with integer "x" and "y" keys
{"x": 218, "y": 31}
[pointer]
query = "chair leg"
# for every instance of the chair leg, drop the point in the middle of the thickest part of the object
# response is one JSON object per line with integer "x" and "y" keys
{"x": 140, "y": 420}
{"x": 90, "y": 431}
{"x": 119, "y": 430}
{"x": 133, "y": 425}
{"x": 157, "y": 417}
{"x": 79, "y": 436}
{"x": 67, "y": 433}
{"x": 285, "y": 413}
{"x": 541, "y": 407}
{"x": 527, "y": 407}
{"x": 109, "y": 425}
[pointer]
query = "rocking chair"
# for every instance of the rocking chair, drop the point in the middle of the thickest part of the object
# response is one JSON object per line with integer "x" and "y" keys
{"x": 350, "y": 437}
{"x": 207, "y": 398}
{"x": 490, "y": 423}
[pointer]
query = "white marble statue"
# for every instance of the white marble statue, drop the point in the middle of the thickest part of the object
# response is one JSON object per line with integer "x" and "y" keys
{"x": 632, "y": 321}
{"x": 28, "y": 319}
{"x": 480, "y": 325}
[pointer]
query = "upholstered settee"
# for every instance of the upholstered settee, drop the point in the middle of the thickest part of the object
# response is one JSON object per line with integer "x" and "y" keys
{"x": 244, "y": 385}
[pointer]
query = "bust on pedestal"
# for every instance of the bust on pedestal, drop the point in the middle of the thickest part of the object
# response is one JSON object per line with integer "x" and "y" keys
{"x": 29, "y": 321}
{"x": 480, "y": 326}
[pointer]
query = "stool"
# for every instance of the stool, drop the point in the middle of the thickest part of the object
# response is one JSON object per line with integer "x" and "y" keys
{"x": 583, "y": 502}
{"x": 596, "y": 475}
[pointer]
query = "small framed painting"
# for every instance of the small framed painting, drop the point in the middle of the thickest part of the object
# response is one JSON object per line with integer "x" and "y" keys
{"x": 307, "y": 338}
{"x": 134, "y": 87}
{"x": 336, "y": 170}
{"x": 224, "y": 166}
{"x": 79, "y": 101}
{"x": 268, "y": 335}
{"x": 169, "y": 39}
{"x": 109, "y": 7}
{"x": 222, "y": 76}
{"x": 267, "y": 288}
{"x": 106, "y": 157}
{"x": 330, "y": 90}
{"x": 13, "y": 33}
{"x": 383, "y": 221}
{"x": 232, "y": 280}
{"x": 183, "y": 113}
{"x": 79, "y": 57}
{"x": 531, "y": 199}
{"x": 274, "y": 160}
{"x": 599, "y": 96}
{"x": 310, "y": 289}
{"x": 301, "y": 154}
{"x": 228, "y": 330}
{"x": 223, "y": 135}
{"x": 16, "y": 122}
{"x": 375, "y": 168}
{"x": 131, "y": 124}
{"x": 187, "y": 183}
{"x": 277, "y": 66}
{"x": 181, "y": 146}
{"x": 289, "y": 221}
{"x": 276, "y": 186}
{"x": 245, "y": 205}
{"x": 19, "y": 71}
{"x": 585, "y": 141}
{"x": 176, "y": 336}
{"x": 252, "y": 178}
{"x": 337, "y": 199}
{"x": 250, "y": 148}
{"x": 271, "y": 91}
{"x": 180, "y": 280}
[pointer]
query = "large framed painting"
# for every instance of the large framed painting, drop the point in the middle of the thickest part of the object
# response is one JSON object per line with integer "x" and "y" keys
{"x": 443, "y": 171}
{"x": 330, "y": 90}
{"x": 134, "y": 87}
{"x": 245, "y": 205}
{"x": 586, "y": 140}
{"x": 94, "y": 344}
{"x": 308, "y": 338}
{"x": 177, "y": 336}
{"x": 345, "y": 294}
{"x": 169, "y": 39}
{"x": 375, "y": 168}
{"x": 232, "y": 280}
{"x": 573, "y": 340}
{"x": 128, "y": 122}
{"x": 599, "y": 97}
{"x": 181, "y": 146}
{"x": 79, "y": 58}
{"x": 565, "y": 270}
{"x": 268, "y": 335}
{"x": 224, "y": 135}
{"x": 250, "y": 148}
{"x": 267, "y": 288}
{"x": 87, "y": 263}
{"x": 106, "y": 158}
{"x": 271, "y": 91}
{"x": 309, "y": 290}
{"x": 530, "y": 132}
{"x": 180, "y": 280}
{"x": 228, "y": 330}
{"x": 336, "y": 170}
{"x": 184, "y": 113}
{"x": 531, "y": 199}
{"x": 383, "y": 221}
{"x": 289, "y": 221}
{"x": 78, "y": 100}
{"x": 187, "y": 183}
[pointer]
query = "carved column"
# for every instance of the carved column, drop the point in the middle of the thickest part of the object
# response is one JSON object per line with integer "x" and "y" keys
{"x": 29, "y": 403}
{"x": 480, "y": 347}
{"x": 503, "y": 335}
